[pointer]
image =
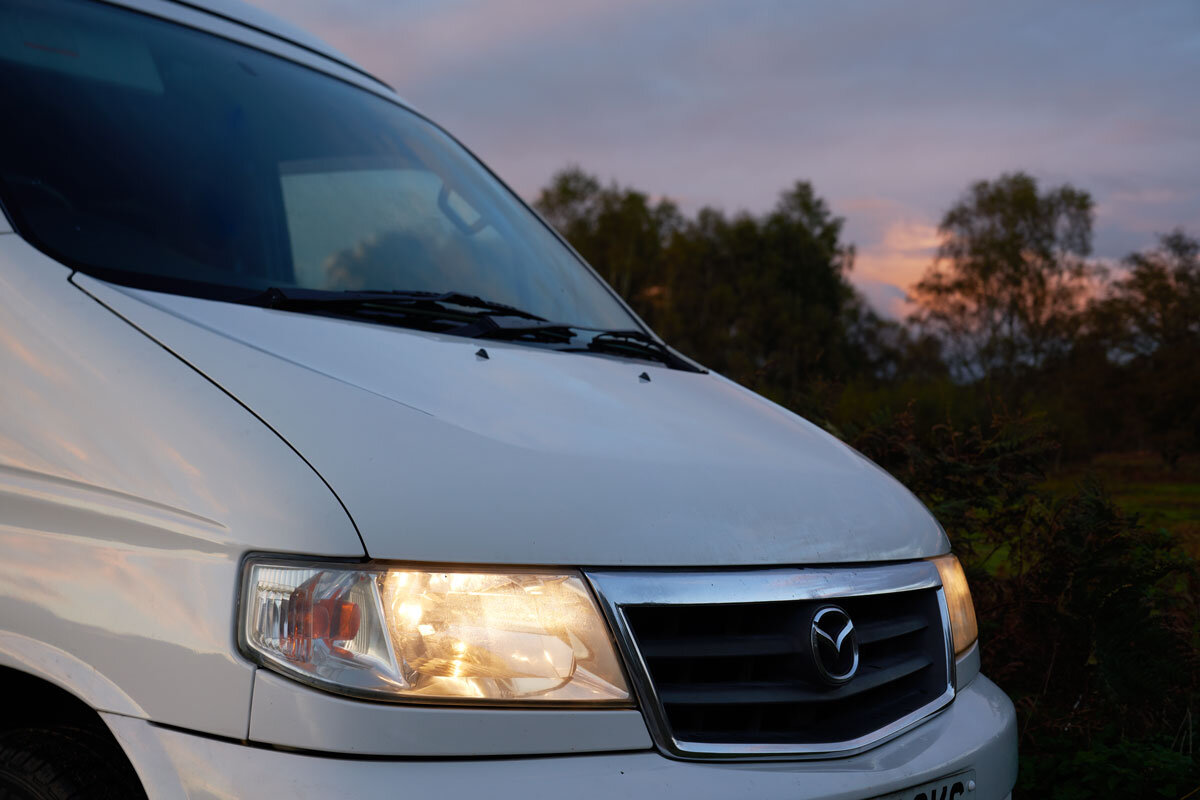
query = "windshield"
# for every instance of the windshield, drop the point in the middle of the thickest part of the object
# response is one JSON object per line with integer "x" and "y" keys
{"x": 158, "y": 156}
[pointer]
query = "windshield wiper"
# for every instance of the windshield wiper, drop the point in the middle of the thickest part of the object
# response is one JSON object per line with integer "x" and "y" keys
{"x": 452, "y": 313}
{"x": 638, "y": 344}
{"x": 294, "y": 299}
{"x": 494, "y": 326}
{"x": 460, "y": 314}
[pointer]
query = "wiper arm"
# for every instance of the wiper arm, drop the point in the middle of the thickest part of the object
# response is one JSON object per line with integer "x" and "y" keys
{"x": 293, "y": 299}
{"x": 639, "y": 344}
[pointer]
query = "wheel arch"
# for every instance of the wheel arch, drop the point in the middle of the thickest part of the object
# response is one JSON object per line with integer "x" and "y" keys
{"x": 35, "y": 702}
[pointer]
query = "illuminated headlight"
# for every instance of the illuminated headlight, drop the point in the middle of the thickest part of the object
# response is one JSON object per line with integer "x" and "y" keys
{"x": 509, "y": 637}
{"x": 958, "y": 601}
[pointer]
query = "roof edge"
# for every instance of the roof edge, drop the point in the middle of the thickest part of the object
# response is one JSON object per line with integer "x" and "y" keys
{"x": 248, "y": 16}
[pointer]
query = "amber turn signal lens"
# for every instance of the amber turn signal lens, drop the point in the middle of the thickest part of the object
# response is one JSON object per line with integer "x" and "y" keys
{"x": 958, "y": 601}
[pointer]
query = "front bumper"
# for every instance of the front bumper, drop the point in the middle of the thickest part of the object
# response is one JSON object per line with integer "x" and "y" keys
{"x": 977, "y": 731}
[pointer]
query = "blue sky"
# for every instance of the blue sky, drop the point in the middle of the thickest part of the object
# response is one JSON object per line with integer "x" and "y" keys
{"x": 891, "y": 109}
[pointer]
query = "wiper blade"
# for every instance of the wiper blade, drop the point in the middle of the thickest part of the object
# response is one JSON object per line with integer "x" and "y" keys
{"x": 293, "y": 299}
{"x": 639, "y": 344}
{"x": 491, "y": 326}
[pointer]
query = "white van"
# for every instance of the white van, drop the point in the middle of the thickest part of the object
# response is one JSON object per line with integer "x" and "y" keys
{"x": 327, "y": 469}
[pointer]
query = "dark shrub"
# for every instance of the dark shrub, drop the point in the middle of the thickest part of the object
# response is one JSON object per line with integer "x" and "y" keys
{"x": 1088, "y": 619}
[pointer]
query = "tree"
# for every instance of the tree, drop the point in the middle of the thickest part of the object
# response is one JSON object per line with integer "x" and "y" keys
{"x": 1155, "y": 306}
{"x": 1149, "y": 321}
{"x": 765, "y": 299}
{"x": 1010, "y": 276}
{"x": 618, "y": 230}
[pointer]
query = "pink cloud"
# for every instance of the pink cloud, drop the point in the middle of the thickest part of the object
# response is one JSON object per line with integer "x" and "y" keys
{"x": 897, "y": 260}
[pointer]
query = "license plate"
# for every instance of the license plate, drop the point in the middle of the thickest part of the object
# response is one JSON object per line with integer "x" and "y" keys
{"x": 960, "y": 786}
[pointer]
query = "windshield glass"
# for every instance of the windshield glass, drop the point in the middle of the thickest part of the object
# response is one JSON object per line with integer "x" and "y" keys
{"x": 158, "y": 156}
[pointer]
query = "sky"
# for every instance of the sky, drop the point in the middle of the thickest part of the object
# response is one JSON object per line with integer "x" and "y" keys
{"x": 890, "y": 109}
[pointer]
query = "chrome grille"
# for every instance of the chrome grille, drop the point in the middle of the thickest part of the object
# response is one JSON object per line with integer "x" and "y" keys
{"x": 722, "y": 670}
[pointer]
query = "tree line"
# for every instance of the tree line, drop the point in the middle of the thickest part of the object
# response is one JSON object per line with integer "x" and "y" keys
{"x": 1013, "y": 310}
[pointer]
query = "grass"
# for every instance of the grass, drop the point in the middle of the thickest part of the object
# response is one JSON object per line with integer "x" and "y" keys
{"x": 1141, "y": 483}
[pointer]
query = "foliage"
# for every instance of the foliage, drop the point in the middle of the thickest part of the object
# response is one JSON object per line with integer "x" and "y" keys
{"x": 1163, "y": 496}
{"x": 1157, "y": 303}
{"x": 619, "y": 231}
{"x": 1003, "y": 316}
{"x": 1150, "y": 319}
{"x": 1091, "y": 620}
{"x": 764, "y": 300}
{"x": 1110, "y": 768}
{"x": 981, "y": 483}
{"x": 1009, "y": 277}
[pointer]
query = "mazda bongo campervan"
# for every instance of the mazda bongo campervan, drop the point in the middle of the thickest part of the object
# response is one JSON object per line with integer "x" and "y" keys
{"x": 328, "y": 470}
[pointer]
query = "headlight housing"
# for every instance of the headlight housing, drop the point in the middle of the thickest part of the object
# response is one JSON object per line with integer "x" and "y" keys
{"x": 958, "y": 601}
{"x": 434, "y": 635}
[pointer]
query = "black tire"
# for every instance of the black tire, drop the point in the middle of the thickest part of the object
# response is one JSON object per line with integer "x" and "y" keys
{"x": 64, "y": 764}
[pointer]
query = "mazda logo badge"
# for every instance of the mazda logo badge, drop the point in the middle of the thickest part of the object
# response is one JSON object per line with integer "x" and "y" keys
{"x": 834, "y": 645}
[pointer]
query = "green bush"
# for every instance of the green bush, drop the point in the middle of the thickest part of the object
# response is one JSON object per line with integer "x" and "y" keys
{"x": 1088, "y": 619}
{"x": 1121, "y": 768}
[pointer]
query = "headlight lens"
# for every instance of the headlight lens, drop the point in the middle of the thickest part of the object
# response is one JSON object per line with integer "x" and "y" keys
{"x": 432, "y": 635}
{"x": 958, "y": 600}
